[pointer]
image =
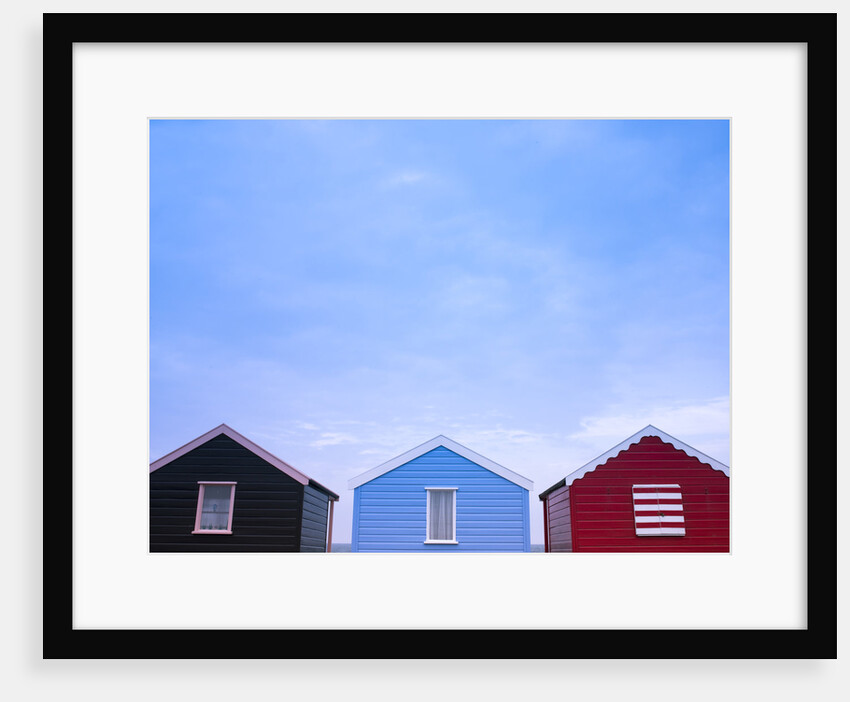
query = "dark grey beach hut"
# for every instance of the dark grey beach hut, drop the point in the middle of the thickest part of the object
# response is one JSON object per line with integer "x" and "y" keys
{"x": 221, "y": 492}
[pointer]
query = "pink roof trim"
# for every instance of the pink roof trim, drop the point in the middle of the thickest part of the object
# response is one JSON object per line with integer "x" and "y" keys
{"x": 239, "y": 439}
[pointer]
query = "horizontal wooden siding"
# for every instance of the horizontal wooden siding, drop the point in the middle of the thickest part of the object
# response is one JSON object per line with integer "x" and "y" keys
{"x": 314, "y": 521}
{"x": 560, "y": 528}
{"x": 603, "y": 510}
{"x": 266, "y": 510}
{"x": 492, "y": 512}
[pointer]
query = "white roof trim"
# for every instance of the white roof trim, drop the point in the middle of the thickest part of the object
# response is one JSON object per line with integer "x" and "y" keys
{"x": 649, "y": 430}
{"x": 451, "y": 446}
{"x": 239, "y": 439}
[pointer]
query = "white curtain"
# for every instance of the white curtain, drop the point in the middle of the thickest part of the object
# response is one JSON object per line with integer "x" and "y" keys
{"x": 216, "y": 508}
{"x": 441, "y": 526}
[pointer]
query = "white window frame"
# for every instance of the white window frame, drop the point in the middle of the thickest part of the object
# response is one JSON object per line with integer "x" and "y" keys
{"x": 202, "y": 484}
{"x": 428, "y": 491}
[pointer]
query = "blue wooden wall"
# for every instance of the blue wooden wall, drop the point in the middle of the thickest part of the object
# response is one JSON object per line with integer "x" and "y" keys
{"x": 389, "y": 511}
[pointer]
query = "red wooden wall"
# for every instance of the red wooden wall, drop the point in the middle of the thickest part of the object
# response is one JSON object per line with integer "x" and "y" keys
{"x": 603, "y": 513}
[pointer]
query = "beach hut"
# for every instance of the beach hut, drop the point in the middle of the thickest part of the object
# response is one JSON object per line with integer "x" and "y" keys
{"x": 222, "y": 492}
{"x": 439, "y": 497}
{"x": 651, "y": 492}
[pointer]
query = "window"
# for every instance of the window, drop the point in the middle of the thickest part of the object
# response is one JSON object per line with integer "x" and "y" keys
{"x": 658, "y": 510}
{"x": 215, "y": 508}
{"x": 440, "y": 516}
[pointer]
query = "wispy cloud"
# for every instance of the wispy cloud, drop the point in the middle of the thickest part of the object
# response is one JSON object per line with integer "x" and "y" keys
{"x": 711, "y": 414}
{"x": 334, "y": 439}
{"x": 406, "y": 177}
{"x": 706, "y": 423}
{"x": 500, "y": 435}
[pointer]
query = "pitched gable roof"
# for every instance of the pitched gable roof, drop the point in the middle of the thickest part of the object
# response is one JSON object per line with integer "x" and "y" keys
{"x": 648, "y": 430}
{"x": 436, "y": 442}
{"x": 245, "y": 443}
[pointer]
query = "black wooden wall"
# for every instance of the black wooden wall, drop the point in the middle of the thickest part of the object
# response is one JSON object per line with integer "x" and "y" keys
{"x": 314, "y": 520}
{"x": 268, "y": 505}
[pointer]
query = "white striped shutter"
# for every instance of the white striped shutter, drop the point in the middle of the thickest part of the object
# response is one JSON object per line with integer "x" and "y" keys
{"x": 658, "y": 510}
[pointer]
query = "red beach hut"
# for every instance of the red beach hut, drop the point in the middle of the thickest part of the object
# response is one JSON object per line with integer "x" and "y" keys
{"x": 649, "y": 493}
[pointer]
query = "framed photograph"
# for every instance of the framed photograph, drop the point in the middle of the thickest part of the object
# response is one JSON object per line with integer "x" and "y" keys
{"x": 502, "y": 179}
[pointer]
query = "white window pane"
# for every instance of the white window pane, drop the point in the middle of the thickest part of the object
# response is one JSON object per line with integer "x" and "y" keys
{"x": 441, "y": 527}
{"x": 216, "y": 508}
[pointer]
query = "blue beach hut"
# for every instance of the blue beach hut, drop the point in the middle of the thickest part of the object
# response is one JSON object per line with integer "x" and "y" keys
{"x": 440, "y": 496}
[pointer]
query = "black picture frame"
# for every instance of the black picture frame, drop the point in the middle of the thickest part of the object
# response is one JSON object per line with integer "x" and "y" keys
{"x": 818, "y": 31}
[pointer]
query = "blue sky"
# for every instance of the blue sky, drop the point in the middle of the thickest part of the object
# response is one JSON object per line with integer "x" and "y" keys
{"x": 341, "y": 291}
